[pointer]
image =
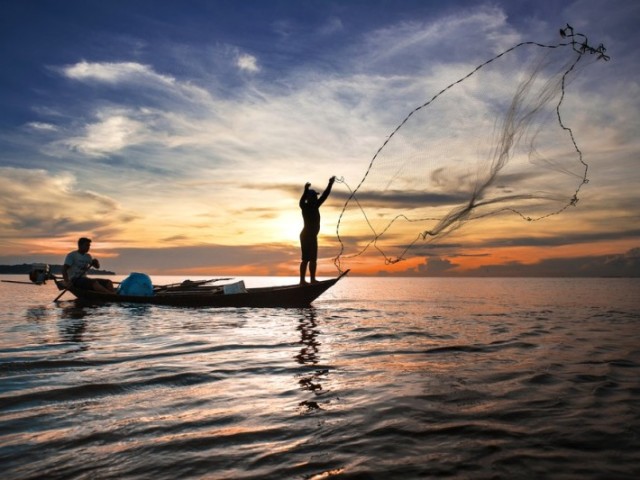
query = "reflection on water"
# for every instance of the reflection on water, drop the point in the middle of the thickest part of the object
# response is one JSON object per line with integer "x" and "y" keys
{"x": 72, "y": 325}
{"x": 72, "y": 330}
{"x": 307, "y": 327}
{"x": 308, "y": 356}
{"x": 36, "y": 314}
{"x": 73, "y": 311}
{"x": 126, "y": 309}
{"x": 136, "y": 310}
{"x": 383, "y": 378}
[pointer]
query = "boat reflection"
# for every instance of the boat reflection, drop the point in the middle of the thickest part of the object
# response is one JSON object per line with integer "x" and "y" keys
{"x": 73, "y": 311}
{"x": 127, "y": 309}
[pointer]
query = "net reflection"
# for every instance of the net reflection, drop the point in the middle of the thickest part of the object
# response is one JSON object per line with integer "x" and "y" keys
{"x": 308, "y": 356}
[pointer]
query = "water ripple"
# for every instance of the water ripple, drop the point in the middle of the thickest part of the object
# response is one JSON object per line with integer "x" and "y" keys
{"x": 454, "y": 384}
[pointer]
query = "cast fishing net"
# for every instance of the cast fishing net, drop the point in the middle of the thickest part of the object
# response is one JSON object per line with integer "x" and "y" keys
{"x": 493, "y": 142}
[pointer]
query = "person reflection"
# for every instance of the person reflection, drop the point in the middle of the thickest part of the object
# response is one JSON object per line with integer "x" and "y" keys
{"x": 72, "y": 323}
{"x": 308, "y": 356}
{"x": 308, "y": 338}
{"x": 37, "y": 314}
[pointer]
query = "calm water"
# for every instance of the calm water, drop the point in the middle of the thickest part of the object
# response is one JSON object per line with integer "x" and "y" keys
{"x": 383, "y": 378}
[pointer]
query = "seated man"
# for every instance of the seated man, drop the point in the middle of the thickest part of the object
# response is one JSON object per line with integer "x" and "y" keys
{"x": 76, "y": 265}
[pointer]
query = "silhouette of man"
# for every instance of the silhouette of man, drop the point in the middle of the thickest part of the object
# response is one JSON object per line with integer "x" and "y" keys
{"x": 310, "y": 206}
{"x": 76, "y": 265}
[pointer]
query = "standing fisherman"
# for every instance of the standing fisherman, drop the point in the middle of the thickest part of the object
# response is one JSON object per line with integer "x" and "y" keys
{"x": 310, "y": 206}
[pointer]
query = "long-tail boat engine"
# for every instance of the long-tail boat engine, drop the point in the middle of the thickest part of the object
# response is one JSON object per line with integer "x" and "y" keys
{"x": 40, "y": 273}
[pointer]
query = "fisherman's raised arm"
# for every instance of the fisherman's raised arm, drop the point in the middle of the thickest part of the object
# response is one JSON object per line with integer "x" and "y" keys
{"x": 327, "y": 191}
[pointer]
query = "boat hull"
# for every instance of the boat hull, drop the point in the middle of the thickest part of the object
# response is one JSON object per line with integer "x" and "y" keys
{"x": 287, "y": 296}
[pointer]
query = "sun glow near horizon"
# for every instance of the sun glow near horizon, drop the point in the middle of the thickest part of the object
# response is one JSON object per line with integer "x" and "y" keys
{"x": 190, "y": 154}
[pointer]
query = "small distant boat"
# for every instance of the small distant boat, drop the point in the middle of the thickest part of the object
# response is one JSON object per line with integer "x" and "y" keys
{"x": 203, "y": 294}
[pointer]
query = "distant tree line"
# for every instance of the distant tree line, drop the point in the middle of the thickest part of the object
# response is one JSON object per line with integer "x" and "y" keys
{"x": 25, "y": 268}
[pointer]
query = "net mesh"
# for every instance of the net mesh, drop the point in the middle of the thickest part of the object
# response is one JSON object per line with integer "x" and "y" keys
{"x": 490, "y": 143}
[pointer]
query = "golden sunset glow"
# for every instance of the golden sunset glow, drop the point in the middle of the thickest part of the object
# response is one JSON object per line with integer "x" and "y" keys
{"x": 195, "y": 165}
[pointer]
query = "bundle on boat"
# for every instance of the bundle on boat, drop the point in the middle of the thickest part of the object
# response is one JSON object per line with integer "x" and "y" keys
{"x": 139, "y": 284}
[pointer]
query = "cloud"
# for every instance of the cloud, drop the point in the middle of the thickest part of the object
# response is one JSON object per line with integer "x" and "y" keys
{"x": 435, "y": 266}
{"x": 318, "y": 114}
{"x": 216, "y": 259}
{"x": 247, "y": 63}
{"x": 331, "y": 26}
{"x": 36, "y": 203}
{"x": 324, "y": 115}
{"x": 42, "y": 126}
{"x": 407, "y": 199}
{"x": 120, "y": 72}
{"x": 113, "y": 132}
{"x": 133, "y": 74}
{"x": 572, "y": 238}
{"x": 457, "y": 37}
{"x": 284, "y": 28}
{"x": 615, "y": 265}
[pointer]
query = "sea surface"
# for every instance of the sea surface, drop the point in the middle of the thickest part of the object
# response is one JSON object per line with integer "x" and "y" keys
{"x": 385, "y": 378}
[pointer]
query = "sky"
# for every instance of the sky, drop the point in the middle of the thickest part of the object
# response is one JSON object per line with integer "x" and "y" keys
{"x": 179, "y": 135}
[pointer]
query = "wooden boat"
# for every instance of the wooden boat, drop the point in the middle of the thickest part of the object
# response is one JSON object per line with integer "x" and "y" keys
{"x": 199, "y": 294}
